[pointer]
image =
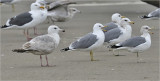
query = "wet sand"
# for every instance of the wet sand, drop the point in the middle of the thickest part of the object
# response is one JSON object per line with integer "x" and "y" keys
{"x": 76, "y": 65}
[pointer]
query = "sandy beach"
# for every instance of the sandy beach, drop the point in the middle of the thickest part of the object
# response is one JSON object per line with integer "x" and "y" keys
{"x": 76, "y": 65}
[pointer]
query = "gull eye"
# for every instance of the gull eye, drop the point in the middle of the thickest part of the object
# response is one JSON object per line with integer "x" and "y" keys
{"x": 146, "y": 28}
{"x": 74, "y": 10}
{"x": 55, "y": 28}
{"x": 36, "y": 5}
{"x": 125, "y": 20}
{"x": 119, "y": 15}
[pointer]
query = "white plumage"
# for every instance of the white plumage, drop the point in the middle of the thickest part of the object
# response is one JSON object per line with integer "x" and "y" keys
{"x": 44, "y": 44}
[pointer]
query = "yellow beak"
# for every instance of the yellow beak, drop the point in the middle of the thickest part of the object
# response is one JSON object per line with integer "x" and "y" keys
{"x": 42, "y": 7}
{"x": 131, "y": 22}
{"x": 123, "y": 17}
{"x": 104, "y": 29}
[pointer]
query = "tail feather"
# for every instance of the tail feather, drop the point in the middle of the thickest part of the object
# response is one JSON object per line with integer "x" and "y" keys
{"x": 115, "y": 46}
{"x": 145, "y": 16}
{"x": 22, "y": 50}
{"x": 65, "y": 49}
{"x": 4, "y": 26}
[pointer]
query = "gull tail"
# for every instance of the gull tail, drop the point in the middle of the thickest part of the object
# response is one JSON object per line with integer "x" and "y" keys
{"x": 65, "y": 49}
{"x": 115, "y": 46}
{"x": 4, "y": 26}
{"x": 144, "y": 17}
{"x": 22, "y": 50}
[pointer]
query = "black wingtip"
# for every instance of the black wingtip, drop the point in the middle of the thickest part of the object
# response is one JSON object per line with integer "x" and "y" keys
{"x": 114, "y": 46}
{"x": 4, "y": 26}
{"x": 144, "y": 17}
{"x": 65, "y": 49}
{"x": 19, "y": 50}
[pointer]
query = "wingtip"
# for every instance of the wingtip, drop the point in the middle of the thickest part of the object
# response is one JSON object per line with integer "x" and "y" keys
{"x": 144, "y": 17}
{"x": 4, "y": 26}
{"x": 65, "y": 49}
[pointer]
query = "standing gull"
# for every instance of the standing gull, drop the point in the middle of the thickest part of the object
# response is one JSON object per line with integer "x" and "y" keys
{"x": 27, "y": 20}
{"x": 152, "y": 15}
{"x": 89, "y": 41}
{"x": 119, "y": 34}
{"x": 42, "y": 45}
{"x": 59, "y": 12}
{"x": 116, "y": 18}
{"x": 136, "y": 44}
{"x": 10, "y": 2}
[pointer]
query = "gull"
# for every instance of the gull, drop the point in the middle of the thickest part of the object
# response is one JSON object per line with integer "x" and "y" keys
{"x": 119, "y": 34}
{"x": 59, "y": 12}
{"x": 152, "y": 15}
{"x": 116, "y": 18}
{"x": 89, "y": 42}
{"x": 27, "y": 20}
{"x": 42, "y": 45}
{"x": 136, "y": 44}
{"x": 10, "y": 2}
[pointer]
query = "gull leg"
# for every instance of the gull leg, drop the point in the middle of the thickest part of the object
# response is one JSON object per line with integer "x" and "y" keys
{"x": 24, "y": 31}
{"x": 41, "y": 60}
{"x": 116, "y": 54}
{"x": 28, "y": 38}
{"x": 35, "y": 31}
{"x": 13, "y": 8}
{"x": 47, "y": 60}
{"x": 137, "y": 58}
{"x": 91, "y": 55}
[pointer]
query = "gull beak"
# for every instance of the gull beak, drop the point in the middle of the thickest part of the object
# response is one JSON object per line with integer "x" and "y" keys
{"x": 123, "y": 17}
{"x": 151, "y": 29}
{"x": 104, "y": 29}
{"x": 79, "y": 11}
{"x": 131, "y": 22}
{"x": 62, "y": 30}
{"x": 42, "y": 7}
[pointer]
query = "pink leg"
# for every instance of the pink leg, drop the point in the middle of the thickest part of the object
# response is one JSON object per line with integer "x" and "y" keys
{"x": 41, "y": 60}
{"x": 47, "y": 60}
{"x": 24, "y": 32}
{"x": 28, "y": 38}
{"x": 35, "y": 31}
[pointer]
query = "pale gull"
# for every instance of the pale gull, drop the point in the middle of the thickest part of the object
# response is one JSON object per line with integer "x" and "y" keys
{"x": 27, "y": 20}
{"x": 136, "y": 44}
{"x": 89, "y": 42}
{"x": 42, "y": 45}
{"x": 119, "y": 34}
{"x": 116, "y": 18}
{"x": 59, "y": 12}
{"x": 152, "y": 15}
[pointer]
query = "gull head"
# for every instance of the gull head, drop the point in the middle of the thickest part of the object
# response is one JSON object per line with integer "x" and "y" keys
{"x": 36, "y": 6}
{"x": 54, "y": 29}
{"x": 116, "y": 17}
{"x": 74, "y": 10}
{"x": 98, "y": 26}
{"x": 145, "y": 29}
{"x": 126, "y": 21}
